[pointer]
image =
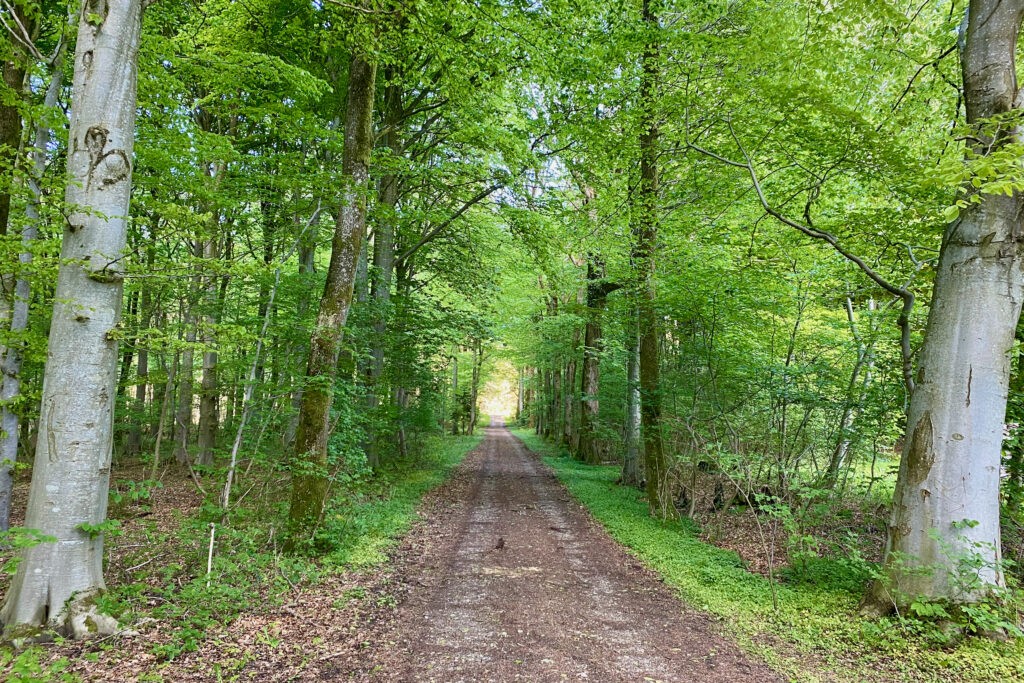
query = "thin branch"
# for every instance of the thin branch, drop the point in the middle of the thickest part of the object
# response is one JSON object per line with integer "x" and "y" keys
{"x": 23, "y": 38}
{"x": 901, "y": 292}
{"x": 436, "y": 230}
{"x": 935, "y": 62}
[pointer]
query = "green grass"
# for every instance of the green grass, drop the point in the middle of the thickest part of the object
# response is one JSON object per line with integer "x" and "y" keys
{"x": 814, "y": 634}
{"x": 370, "y": 524}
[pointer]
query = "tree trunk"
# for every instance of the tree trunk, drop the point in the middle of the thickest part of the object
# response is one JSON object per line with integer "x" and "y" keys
{"x": 307, "y": 263}
{"x": 946, "y": 505}
{"x": 520, "y": 386}
{"x": 310, "y": 477}
{"x": 631, "y": 475}
{"x": 70, "y": 477}
{"x": 206, "y": 437}
{"x": 570, "y": 400}
{"x": 856, "y": 391}
{"x": 589, "y": 409}
{"x": 10, "y": 142}
{"x": 655, "y": 463}
{"x": 183, "y": 413}
{"x": 134, "y": 446}
{"x": 383, "y": 257}
{"x": 10, "y": 136}
{"x": 474, "y": 387}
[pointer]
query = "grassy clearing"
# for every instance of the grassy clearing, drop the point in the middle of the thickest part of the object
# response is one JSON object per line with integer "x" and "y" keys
{"x": 248, "y": 571}
{"x": 814, "y": 633}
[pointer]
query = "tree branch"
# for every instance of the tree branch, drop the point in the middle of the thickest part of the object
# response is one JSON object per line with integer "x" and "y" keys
{"x": 436, "y": 230}
{"x": 809, "y": 230}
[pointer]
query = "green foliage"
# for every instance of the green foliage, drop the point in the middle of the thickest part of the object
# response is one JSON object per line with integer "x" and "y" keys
{"x": 18, "y": 538}
{"x": 108, "y": 527}
{"x": 26, "y": 666}
{"x": 361, "y": 526}
{"x": 363, "y": 522}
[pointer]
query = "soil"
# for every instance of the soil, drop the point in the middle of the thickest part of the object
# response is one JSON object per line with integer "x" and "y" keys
{"x": 514, "y": 582}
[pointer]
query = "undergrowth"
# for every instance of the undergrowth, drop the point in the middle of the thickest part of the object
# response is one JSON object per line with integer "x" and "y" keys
{"x": 815, "y": 634}
{"x": 248, "y": 570}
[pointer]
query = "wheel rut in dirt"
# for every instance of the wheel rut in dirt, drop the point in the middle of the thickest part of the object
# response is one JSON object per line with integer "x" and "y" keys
{"x": 509, "y": 580}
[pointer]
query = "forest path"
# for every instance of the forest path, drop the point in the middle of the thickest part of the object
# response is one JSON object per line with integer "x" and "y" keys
{"x": 509, "y": 580}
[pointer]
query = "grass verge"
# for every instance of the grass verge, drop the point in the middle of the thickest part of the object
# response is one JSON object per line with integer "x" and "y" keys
{"x": 814, "y": 633}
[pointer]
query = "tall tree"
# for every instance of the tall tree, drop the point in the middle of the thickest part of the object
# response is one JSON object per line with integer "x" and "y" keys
{"x": 55, "y": 581}
{"x": 659, "y": 496}
{"x": 310, "y": 478}
{"x": 944, "y": 537}
{"x": 13, "y": 355}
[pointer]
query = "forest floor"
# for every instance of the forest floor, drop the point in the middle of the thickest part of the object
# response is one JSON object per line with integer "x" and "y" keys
{"x": 504, "y": 578}
{"x": 511, "y": 580}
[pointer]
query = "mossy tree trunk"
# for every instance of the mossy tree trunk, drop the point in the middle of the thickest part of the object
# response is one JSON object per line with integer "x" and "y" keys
{"x": 310, "y": 475}
{"x": 655, "y": 462}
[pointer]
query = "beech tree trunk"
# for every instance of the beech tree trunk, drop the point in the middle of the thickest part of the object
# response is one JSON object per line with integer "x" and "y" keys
{"x": 383, "y": 258}
{"x": 206, "y": 437}
{"x": 70, "y": 477}
{"x": 655, "y": 463}
{"x": 946, "y": 503}
{"x": 589, "y": 409}
{"x": 310, "y": 476}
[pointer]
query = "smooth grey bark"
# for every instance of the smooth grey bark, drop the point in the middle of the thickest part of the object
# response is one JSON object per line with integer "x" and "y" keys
{"x": 631, "y": 475}
{"x": 70, "y": 476}
{"x": 208, "y": 387}
{"x": 946, "y": 503}
{"x": 13, "y": 355}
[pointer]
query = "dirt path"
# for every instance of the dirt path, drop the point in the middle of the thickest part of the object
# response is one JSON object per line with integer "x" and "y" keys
{"x": 510, "y": 581}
